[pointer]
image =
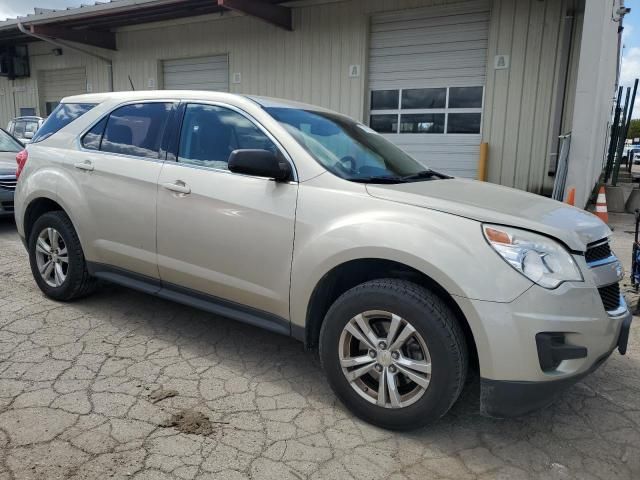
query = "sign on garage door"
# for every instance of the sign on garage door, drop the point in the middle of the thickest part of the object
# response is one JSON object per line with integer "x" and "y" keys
{"x": 427, "y": 71}
{"x": 201, "y": 73}
{"x": 54, "y": 85}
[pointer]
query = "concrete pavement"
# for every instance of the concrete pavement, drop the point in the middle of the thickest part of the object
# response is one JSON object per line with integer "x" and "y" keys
{"x": 113, "y": 385}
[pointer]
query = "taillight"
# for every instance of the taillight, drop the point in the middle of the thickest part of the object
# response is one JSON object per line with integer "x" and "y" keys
{"x": 21, "y": 160}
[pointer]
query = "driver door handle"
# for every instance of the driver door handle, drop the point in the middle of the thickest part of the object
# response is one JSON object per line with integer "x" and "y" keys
{"x": 86, "y": 165}
{"x": 178, "y": 187}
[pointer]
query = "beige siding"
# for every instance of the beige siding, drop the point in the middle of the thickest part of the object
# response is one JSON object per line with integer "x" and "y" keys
{"x": 43, "y": 59}
{"x": 518, "y": 101}
{"x": 311, "y": 65}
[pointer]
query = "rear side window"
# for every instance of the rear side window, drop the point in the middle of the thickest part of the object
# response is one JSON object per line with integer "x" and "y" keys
{"x": 63, "y": 115}
{"x": 132, "y": 130}
{"x": 93, "y": 137}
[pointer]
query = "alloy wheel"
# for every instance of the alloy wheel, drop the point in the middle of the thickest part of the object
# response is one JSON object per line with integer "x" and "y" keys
{"x": 52, "y": 257}
{"x": 385, "y": 359}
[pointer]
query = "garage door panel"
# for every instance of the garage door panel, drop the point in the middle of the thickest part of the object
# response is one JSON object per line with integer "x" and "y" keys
{"x": 438, "y": 11}
{"x": 447, "y": 48}
{"x": 54, "y": 85}
{"x": 430, "y": 22}
{"x": 434, "y": 47}
{"x": 201, "y": 73}
{"x": 431, "y": 35}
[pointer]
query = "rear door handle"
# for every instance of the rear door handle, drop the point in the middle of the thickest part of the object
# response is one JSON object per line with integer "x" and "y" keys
{"x": 178, "y": 187}
{"x": 86, "y": 165}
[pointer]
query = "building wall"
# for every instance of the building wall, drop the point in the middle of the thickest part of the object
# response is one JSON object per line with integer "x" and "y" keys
{"x": 311, "y": 64}
{"x": 595, "y": 90}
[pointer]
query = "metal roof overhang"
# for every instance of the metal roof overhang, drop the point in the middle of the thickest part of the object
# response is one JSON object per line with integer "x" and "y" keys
{"x": 95, "y": 24}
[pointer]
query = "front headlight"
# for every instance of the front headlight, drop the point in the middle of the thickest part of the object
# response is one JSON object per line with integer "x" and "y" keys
{"x": 540, "y": 259}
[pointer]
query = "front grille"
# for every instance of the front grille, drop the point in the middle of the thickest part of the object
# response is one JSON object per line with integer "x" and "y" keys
{"x": 7, "y": 206}
{"x": 597, "y": 251}
{"x": 8, "y": 183}
{"x": 610, "y": 296}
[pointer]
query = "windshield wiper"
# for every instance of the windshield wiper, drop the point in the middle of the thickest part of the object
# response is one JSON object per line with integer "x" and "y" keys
{"x": 424, "y": 175}
{"x": 387, "y": 179}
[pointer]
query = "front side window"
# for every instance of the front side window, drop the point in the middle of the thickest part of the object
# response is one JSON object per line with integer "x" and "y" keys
{"x": 442, "y": 110}
{"x": 135, "y": 130}
{"x": 349, "y": 149}
{"x": 63, "y": 115}
{"x": 210, "y": 133}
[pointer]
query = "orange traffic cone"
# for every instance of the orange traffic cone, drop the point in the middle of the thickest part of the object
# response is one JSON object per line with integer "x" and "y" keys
{"x": 601, "y": 206}
{"x": 571, "y": 197}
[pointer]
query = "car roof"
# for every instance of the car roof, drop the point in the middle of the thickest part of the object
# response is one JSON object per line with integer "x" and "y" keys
{"x": 28, "y": 117}
{"x": 205, "y": 95}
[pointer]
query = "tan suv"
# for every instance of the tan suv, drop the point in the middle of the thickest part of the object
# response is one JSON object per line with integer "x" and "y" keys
{"x": 307, "y": 223}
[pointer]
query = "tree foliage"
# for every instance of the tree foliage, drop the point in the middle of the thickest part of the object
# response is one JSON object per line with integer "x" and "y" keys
{"x": 634, "y": 129}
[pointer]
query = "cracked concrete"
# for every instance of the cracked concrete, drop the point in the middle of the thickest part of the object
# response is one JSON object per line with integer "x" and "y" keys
{"x": 76, "y": 385}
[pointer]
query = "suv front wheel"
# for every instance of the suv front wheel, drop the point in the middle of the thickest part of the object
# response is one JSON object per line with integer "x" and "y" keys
{"x": 56, "y": 258}
{"x": 394, "y": 353}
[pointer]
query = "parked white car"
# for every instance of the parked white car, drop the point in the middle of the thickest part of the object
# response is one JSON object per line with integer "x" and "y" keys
{"x": 305, "y": 222}
{"x": 24, "y": 128}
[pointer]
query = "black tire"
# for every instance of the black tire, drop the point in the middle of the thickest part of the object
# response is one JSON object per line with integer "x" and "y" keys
{"x": 78, "y": 283}
{"x": 431, "y": 318}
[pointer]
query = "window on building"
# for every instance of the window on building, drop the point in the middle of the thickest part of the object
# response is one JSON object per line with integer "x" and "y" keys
{"x": 209, "y": 134}
{"x": 443, "y": 110}
{"x": 136, "y": 129}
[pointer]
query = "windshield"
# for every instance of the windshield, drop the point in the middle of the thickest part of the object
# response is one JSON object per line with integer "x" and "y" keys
{"x": 349, "y": 149}
{"x": 8, "y": 143}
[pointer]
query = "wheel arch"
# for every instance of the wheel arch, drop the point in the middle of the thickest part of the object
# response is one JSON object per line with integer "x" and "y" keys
{"x": 354, "y": 272}
{"x": 35, "y": 209}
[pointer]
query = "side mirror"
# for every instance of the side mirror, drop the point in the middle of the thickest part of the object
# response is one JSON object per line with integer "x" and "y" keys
{"x": 27, "y": 135}
{"x": 260, "y": 163}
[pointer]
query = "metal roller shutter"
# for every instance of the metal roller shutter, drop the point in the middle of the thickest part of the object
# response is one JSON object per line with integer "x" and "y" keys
{"x": 201, "y": 73}
{"x": 427, "y": 71}
{"x": 54, "y": 85}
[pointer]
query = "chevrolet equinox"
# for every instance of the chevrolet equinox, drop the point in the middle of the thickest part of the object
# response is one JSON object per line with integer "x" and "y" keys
{"x": 304, "y": 222}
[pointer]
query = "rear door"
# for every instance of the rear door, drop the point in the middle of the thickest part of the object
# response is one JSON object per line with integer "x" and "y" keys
{"x": 117, "y": 168}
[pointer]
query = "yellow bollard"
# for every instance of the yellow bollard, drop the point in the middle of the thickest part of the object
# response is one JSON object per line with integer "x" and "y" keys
{"x": 482, "y": 163}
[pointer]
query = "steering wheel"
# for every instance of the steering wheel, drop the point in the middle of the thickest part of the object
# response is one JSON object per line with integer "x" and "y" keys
{"x": 352, "y": 164}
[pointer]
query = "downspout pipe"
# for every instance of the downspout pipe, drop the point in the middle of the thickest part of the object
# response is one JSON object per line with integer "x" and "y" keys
{"x": 59, "y": 44}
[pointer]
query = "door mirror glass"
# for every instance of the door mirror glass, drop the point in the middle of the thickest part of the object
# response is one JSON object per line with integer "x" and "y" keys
{"x": 259, "y": 163}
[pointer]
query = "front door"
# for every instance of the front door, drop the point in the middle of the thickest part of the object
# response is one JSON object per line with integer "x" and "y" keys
{"x": 226, "y": 235}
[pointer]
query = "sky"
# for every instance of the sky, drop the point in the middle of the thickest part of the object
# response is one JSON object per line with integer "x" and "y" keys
{"x": 631, "y": 50}
{"x": 13, "y": 8}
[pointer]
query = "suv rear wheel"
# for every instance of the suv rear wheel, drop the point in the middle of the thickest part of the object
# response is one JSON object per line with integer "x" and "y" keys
{"x": 394, "y": 353}
{"x": 57, "y": 260}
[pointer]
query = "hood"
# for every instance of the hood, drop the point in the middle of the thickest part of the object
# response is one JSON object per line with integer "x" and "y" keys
{"x": 7, "y": 162}
{"x": 490, "y": 203}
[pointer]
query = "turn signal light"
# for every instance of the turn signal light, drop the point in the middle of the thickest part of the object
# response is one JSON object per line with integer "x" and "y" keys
{"x": 21, "y": 160}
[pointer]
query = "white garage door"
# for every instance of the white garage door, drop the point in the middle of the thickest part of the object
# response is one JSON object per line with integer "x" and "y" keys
{"x": 54, "y": 85}
{"x": 427, "y": 72}
{"x": 201, "y": 73}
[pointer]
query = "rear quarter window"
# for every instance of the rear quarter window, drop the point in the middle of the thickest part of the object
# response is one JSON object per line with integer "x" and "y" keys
{"x": 63, "y": 115}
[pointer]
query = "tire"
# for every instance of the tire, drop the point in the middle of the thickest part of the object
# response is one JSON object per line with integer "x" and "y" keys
{"x": 77, "y": 282}
{"x": 437, "y": 330}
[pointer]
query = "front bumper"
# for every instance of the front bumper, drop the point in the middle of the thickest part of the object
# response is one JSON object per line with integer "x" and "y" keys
{"x": 505, "y": 398}
{"x": 6, "y": 202}
{"x": 515, "y": 378}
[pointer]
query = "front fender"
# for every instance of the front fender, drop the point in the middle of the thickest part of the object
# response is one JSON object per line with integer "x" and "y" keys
{"x": 449, "y": 249}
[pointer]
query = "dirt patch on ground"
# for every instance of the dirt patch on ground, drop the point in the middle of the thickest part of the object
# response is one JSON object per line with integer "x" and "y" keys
{"x": 190, "y": 421}
{"x": 161, "y": 394}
